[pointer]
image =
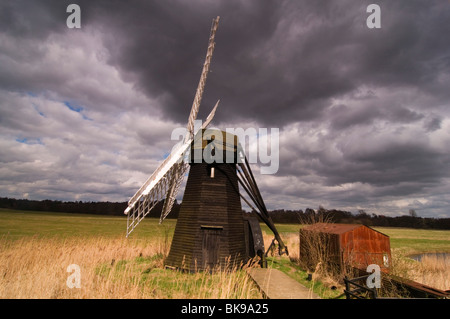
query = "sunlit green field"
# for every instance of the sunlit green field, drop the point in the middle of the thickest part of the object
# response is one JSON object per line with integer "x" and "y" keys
{"x": 17, "y": 224}
{"x": 418, "y": 240}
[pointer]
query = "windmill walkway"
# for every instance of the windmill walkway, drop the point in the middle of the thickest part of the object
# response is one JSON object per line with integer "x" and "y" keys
{"x": 277, "y": 285}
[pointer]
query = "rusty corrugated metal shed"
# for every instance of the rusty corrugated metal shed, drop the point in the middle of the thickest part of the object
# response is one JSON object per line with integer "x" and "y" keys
{"x": 350, "y": 244}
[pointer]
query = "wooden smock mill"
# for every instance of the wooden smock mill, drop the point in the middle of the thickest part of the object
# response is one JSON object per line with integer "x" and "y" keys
{"x": 211, "y": 230}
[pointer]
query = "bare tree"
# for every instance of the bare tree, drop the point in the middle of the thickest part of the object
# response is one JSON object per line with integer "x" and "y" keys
{"x": 412, "y": 213}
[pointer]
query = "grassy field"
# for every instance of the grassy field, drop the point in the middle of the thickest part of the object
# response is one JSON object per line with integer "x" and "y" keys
{"x": 37, "y": 247}
{"x": 417, "y": 240}
{"x": 19, "y": 224}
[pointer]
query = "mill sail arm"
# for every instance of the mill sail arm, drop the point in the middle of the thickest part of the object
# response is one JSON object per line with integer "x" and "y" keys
{"x": 155, "y": 189}
{"x": 159, "y": 173}
{"x": 248, "y": 182}
{"x": 203, "y": 77}
{"x": 210, "y": 116}
{"x": 173, "y": 188}
{"x": 177, "y": 178}
{"x": 168, "y": 162}
{"x": 166, "y": 180}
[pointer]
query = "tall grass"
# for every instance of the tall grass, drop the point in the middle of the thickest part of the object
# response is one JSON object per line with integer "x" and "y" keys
{"x": 433, "y": 271}
{"x": 319, "y": 262}
{"x": 35, "y": 268}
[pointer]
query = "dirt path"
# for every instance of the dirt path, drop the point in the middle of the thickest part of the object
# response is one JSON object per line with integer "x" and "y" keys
{"x": 277, "y": 285}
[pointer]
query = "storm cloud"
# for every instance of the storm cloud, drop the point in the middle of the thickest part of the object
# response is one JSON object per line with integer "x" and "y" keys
{"x": 364, "y": 114}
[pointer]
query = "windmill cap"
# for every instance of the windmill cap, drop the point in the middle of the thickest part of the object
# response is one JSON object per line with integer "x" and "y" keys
{"x": 214, "y": 146}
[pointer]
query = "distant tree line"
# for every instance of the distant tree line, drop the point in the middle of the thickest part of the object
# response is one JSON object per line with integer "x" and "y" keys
{"x": 412, "y": 220}
{"x": 79, "y": 207}
{"x": 361, "y": 217}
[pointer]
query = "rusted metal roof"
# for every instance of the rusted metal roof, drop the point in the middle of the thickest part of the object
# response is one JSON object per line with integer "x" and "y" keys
{"x": 336, "y": 228}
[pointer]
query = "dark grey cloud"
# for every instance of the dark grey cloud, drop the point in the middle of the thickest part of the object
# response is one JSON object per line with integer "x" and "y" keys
{"x": 278, "y": 62}
{"x": 32, "y": 19}
{"x": 292, "y": 56}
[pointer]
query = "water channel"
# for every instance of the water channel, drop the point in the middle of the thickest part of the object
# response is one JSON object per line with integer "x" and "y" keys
{"x": 439, "y": 256}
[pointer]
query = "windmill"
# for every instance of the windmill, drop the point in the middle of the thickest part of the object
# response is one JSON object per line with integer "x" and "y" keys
{"x": 211, "y": 229}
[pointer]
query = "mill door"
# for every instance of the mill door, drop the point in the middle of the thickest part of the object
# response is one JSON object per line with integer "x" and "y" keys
{"x": 210, "y": 246}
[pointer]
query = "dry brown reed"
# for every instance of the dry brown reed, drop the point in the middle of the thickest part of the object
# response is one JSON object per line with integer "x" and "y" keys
{"x": 317, "y": 262}
{"x": 433, "y": 271}
{"x": 33, "y": 268}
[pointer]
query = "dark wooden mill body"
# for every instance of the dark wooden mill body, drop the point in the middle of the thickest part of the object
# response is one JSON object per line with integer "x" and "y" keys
{"x": 211, "y": 230}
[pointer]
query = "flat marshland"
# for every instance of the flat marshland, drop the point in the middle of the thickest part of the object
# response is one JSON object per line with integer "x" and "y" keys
{"x": 38, "y": 248}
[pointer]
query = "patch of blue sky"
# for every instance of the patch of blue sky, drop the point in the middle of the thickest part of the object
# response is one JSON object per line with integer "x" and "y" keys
{"x": 37, "y": 110}
{"x": 74, "y": 107}
{"x": 107, "y": 163}
{"x": 29, "y": 141}
{"x": 77, "y": 108}
{"x": 86, "y": 118}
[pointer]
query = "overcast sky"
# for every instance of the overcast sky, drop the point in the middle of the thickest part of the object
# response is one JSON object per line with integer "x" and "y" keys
{"x": 364, "y": 114}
